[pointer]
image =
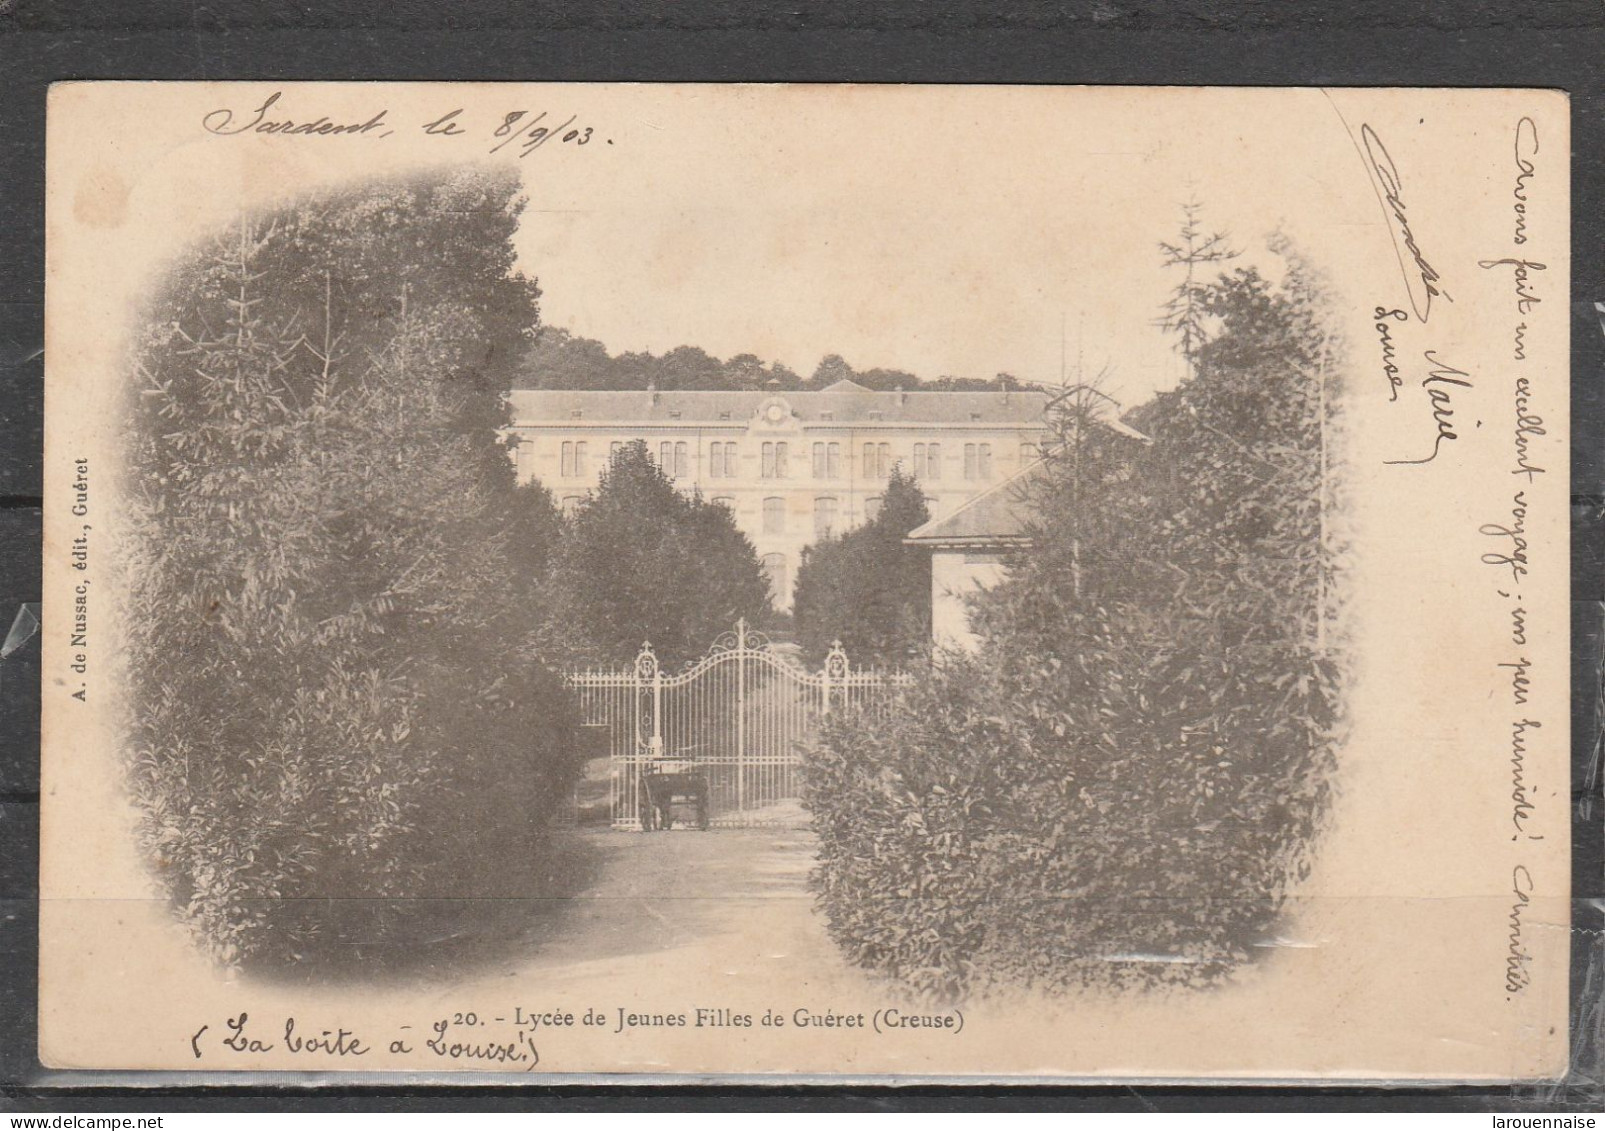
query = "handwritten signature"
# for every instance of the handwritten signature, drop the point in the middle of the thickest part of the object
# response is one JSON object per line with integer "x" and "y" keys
{"x": 1517, "y": 956}
{"x": 1439, "y": 384}
{"x": 1421, "y": 279}
{"x": 1390, "y": 368}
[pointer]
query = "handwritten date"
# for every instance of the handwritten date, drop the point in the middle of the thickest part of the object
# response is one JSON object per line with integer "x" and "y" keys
{"x": 524, "y": 132}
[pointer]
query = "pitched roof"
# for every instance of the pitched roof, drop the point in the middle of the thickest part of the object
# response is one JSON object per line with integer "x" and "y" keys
{"x": 995, "y": 517}
{"x": 999, "y": 516}
{"x": 843, "y": 402}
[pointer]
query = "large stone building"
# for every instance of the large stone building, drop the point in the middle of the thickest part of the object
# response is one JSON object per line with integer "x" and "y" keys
{"x": 793, "y": 466}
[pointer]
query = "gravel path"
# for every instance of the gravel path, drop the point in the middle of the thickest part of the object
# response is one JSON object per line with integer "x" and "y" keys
{"x": 652, "y": 892}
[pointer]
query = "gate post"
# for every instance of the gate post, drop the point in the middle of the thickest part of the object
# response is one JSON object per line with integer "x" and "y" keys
{"x": 657, "y": 710}
{"x": 836, "y": 669}
{"x": 646, "y": 668}
{"x": 741, "y": 715}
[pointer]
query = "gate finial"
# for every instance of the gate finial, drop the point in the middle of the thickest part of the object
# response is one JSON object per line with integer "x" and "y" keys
{"x": 836, "y": 661}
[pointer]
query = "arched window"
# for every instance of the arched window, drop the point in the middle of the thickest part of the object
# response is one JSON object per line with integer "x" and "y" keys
{"x": 872, "y": 507}
{"x": 919, "y": 461}
{"x": 933, "y": 461}
{"x": 682, "y": 459}
{"x": 724, "y": 501}
{"x": 571, "y": 504}
{"x": 986, "y": 461}
{"x": 774, "y": 516}
{"x": 716, "y": 461}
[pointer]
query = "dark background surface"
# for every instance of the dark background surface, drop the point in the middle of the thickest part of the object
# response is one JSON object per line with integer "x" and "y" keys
{"x": 1362, "y": 42}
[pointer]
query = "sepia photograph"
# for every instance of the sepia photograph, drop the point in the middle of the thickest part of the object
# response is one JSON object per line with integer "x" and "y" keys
{"x": 822, "y": 582}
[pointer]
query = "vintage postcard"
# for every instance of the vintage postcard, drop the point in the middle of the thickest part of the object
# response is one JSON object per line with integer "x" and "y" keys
{"x": 806, "y": 581}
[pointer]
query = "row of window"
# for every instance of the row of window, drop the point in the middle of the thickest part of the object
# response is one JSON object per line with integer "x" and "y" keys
{"x": 827, "y": 512}
{"x": 674, "y": 457}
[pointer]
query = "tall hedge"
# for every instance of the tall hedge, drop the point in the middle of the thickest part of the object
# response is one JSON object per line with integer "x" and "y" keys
{"x": 868, "y": 590}
{"x": 335, "y": 709}
{"x": 1127, "y": 781}
{"x": 640, "y": 560}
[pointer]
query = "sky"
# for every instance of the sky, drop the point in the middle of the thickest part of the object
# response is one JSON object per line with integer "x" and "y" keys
{"x": 961, "y": 231}
{"x": 953, "y": 231}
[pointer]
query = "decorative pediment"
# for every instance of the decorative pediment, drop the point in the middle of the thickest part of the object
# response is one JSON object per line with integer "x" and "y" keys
{"x": 775, "y": 414}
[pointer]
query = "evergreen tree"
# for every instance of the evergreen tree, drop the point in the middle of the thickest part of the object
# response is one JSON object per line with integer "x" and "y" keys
{"x": 644, "y": 561}
{"x": 1186, "y": 309}
{"x": 868, "y": 590}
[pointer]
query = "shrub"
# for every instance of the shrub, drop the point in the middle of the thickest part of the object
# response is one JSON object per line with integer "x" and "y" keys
{"x": 333, "y": 699}
{"x": 1127, "y": 781}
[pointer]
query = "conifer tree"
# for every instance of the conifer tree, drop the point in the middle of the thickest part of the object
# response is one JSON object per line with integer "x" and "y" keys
{"x": 643, "y": 561}
{"x": 868, "y": 590}
{"x": 1187, "y": 307}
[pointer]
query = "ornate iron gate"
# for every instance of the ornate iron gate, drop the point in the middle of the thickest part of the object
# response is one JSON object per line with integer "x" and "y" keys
{"x": 738, "y": 716}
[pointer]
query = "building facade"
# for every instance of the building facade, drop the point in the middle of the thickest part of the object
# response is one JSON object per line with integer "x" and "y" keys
{"x": 969, "y": 552}
{"x": 971, "y": 546}
{"x": 794, "y": 467}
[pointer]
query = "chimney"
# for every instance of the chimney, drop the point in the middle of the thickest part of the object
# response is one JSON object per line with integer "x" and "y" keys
{"x": 652, "y": 387}
{"x": 902, "y": 397}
